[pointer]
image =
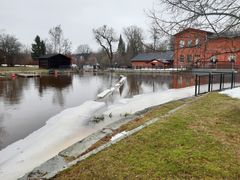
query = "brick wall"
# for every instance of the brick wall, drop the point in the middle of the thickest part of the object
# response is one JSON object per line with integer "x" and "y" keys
{"x": 190, "y": 47}
{"x": 147, "y": 64}
{"x": 194, "y": 48}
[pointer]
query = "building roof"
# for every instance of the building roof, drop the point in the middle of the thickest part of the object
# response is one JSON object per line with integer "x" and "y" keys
{"x": 47, "y": 56}
{"x": 193, "y": 29}
{"x": 211, "y": 35}
{"x": 162, "y": 56}
{"x": 226, "y": 34}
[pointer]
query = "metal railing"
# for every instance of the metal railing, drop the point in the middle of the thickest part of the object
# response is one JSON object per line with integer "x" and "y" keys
{"x": 214, "y": 81}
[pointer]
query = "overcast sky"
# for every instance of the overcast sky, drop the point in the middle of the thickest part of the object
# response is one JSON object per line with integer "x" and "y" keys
{"x": 27, "y": 18}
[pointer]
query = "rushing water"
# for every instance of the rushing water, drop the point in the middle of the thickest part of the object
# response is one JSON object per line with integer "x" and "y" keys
{"x": 27, "y": 103}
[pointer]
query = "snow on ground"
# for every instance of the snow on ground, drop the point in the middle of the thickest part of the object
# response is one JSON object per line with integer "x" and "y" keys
{"x": 234, "y": 93}
{"x": 69, "y": 127}
{"x": 141, "y": 102}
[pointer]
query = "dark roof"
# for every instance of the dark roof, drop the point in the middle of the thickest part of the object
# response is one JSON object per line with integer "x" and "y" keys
{"x": 163, "y": 56}
{"x": 226, "y": 34}
{"x": 47, "y": 56}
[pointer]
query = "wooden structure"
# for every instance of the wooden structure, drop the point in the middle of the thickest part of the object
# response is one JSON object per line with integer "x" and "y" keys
{"x": 54, "y": 61}
{"x": 162, "y": 59}
{"x": 28, "y": 75}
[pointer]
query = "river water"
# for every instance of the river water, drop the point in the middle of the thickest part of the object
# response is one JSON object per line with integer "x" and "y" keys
{"x": 27, "y": 103}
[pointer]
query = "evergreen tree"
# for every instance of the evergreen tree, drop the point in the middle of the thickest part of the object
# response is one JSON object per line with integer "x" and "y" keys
{"x": 38, "y": 48}
{"x": 121, "y": 47}
{"x": 43, "y": 48}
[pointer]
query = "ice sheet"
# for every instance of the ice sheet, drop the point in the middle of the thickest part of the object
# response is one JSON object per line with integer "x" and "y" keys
{"x": 68, "y": 127}
{"x": 59, "y": 132}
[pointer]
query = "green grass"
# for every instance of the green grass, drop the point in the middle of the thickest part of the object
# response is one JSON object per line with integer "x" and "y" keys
{"x": 8, "y": 70}
{"x": 200, "y": 141}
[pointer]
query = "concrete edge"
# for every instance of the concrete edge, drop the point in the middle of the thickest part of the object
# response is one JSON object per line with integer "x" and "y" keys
{"x": 73, "y": 154}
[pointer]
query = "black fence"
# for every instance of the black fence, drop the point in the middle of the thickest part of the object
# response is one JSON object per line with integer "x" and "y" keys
{"x": 214, "y": 81}
{"x": 209, "y": 66}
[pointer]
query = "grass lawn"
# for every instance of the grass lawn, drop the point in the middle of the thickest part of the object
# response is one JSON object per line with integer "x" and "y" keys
{"x": 200, "y": 141}
{"x": 22, "y": 69}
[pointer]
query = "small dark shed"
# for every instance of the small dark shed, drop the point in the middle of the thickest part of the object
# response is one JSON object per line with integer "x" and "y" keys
{"x": 54, "y": 61}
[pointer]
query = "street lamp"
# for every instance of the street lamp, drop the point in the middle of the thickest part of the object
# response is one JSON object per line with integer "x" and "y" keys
{"x": 214, "y": 60}
{"x": 232, "y": 59}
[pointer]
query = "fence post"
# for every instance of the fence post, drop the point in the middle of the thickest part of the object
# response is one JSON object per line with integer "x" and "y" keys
{"x": 232, "y": 80}
{"x": 209, "y": 82}
{"x": 199, "y": 82}
{"x": 223, "y": 81}
{"x": 196, "y": 83}
{"x": 220, "y": 82}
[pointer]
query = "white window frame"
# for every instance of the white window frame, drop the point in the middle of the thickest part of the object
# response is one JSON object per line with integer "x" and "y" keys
{"x": 181, "y": 43}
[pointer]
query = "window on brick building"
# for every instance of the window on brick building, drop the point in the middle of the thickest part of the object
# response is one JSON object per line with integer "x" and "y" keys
{"x": 189, "y": 58}
{"x": 181, "y": 58}
{"x": 181, "y": 43}
{"x": 232, "y": 58}
{"x": 189, "y": 43}
{"x": 197, "y": 42}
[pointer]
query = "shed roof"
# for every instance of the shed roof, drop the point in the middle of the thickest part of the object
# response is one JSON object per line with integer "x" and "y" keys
{"x": 163, "y": 56}
{"x": 47, "y": 56}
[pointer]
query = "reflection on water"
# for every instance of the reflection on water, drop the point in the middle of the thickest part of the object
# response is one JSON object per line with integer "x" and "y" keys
{"x": 145, "y": 83}
{"x": 11, "y": 90}
{"x": 27, "y": 103}
{"x": 57, "y": 84}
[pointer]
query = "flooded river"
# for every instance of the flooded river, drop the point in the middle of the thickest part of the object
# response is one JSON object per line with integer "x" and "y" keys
{"x": 27, "y": 103}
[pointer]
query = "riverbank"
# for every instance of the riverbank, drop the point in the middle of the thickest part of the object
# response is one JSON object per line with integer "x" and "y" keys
{"x": 22, "y": 69}
{"x": 33, "y": 70}
{"x": 200, "y": 140}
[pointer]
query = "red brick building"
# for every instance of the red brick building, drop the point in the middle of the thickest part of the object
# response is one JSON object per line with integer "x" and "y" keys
{"x": 153, "y": 60}
{"x": 198, "y": 48}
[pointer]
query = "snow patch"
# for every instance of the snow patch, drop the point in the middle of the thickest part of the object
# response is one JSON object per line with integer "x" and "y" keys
{"x": 141, "y": 102}
{"x": 234, "y": 93}
{"x": 119, "y": 135}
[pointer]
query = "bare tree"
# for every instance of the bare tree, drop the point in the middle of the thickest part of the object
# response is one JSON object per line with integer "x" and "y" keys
{"x": 49, "y": 46}
{"x": 9, "y": 49}
{"x": 83, "y": 49}
{"x": 215, "y": 15}
{"x": 155, "y": 36}
{"x": 57, "y": 43}
{"x": 56, "y": 37}
{"x": 134, "y": 36}
{"x": 66, "y": 47}
{"x": 159, "y": 41}
{"x": 83, "y": 52}
{"x": 105, "y": 37}
{"x": 25, "y": 57}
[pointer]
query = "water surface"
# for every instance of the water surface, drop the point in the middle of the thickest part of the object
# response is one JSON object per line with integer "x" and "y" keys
{"x": 27, "y": 103}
